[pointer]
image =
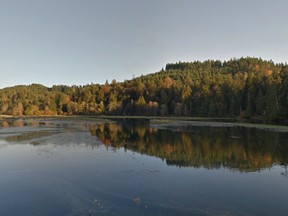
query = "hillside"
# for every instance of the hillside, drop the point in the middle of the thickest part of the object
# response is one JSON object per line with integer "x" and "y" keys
{"x": 246, "y": 87}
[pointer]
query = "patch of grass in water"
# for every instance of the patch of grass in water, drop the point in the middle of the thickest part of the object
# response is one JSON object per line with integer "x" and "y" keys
{"x": 176, "y": 123}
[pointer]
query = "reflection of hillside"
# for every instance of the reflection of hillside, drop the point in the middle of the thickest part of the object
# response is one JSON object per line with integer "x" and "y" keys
{"x": 20, "y": 123}
{"x": 200, "y": 147}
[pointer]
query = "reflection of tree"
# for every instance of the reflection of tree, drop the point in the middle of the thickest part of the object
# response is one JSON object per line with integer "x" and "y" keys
{"x": 20, "y": 123}
{"x": 250, "y": 150}
{"x": 285, "y": 173}
{"x": 40, "y": 131}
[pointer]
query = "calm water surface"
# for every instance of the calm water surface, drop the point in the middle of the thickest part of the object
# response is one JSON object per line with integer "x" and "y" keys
{"x": 81, "y": 167}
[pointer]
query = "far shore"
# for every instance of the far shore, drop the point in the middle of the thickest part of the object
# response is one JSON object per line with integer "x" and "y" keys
{"x": 59, "y": 117}
{"x": 167, "y": 122}
{"x": 162, "y": 118}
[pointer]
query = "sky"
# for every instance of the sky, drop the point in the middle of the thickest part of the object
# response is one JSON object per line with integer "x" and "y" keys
{"x": 79, "y": 42}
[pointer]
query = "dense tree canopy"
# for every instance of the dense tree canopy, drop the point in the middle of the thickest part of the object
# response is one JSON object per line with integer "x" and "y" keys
{"x": 245, "y": 87}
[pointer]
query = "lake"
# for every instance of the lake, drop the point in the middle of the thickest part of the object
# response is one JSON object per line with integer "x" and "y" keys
{"x": 74, "y": 166}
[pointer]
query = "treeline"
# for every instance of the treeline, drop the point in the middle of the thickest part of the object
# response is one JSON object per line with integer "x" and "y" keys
{"x": 245, "y": 87}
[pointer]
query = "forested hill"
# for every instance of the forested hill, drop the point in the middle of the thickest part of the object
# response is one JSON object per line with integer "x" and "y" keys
{"x": 245, "y": 87}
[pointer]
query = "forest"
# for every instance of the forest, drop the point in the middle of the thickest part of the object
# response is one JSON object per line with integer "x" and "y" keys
{"x": 246, "y": 88}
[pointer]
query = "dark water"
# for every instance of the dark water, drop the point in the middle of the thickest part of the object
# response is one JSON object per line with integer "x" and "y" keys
{"x": 81, "y": 167}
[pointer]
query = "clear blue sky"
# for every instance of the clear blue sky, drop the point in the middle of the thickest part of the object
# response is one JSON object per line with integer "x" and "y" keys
{"x": 79, "y": 42}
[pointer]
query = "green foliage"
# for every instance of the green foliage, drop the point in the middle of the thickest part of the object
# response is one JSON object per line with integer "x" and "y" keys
{"x": 245, "y": 87}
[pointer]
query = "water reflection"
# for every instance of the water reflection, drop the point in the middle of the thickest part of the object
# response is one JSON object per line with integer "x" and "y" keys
{"x": 243, "y": 149}
{"x": 236, "y": 148}
{"x": 66, "y": 170}
{"x": 21, "y": 123}
{"x": 54, "y": 132}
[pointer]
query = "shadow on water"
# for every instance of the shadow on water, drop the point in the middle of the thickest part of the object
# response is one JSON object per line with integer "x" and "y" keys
{"x": 237, "y": 148}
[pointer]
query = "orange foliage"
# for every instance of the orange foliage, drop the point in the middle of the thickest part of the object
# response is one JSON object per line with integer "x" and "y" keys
{"x": 106, "y": 89}
{"x": 167, "y": 82}
{"x": 268, "y": 72}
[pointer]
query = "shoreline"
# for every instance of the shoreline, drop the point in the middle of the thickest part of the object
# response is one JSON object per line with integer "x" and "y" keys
{"x": 165, "y": 122}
